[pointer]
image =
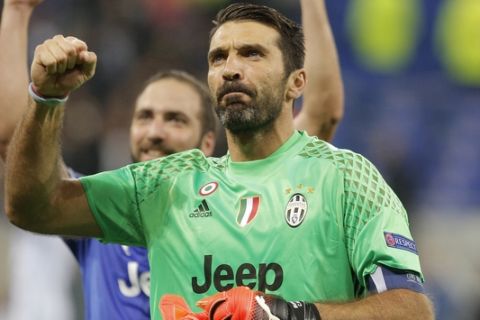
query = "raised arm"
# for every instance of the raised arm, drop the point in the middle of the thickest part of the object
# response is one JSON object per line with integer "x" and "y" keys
{"x": 37, "y": 198}
{"x": 14, "y": 78}
{"x": 322, "y": 107}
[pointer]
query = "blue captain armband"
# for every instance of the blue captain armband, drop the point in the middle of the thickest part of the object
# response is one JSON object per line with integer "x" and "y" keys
{"x": 385, "y": 278}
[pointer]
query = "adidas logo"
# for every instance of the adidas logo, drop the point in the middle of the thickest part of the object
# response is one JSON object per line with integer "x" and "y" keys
{"x": 203, "y": 211}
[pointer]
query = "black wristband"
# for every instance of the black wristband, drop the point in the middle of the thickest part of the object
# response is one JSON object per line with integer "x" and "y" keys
{"x": 301, "y": 310}
{"x": 292, "y": 310}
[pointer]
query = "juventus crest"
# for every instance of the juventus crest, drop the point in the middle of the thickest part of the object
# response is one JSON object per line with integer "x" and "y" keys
{"x": 296, "y": 210}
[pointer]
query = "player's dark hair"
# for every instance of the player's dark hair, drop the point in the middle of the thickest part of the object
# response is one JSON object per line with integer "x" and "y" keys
{"x": 208, "y": 118}
{"x": 291, "y": 42}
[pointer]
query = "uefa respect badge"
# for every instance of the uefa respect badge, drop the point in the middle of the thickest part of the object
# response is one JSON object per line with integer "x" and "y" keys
{"x": 397, "y": 241}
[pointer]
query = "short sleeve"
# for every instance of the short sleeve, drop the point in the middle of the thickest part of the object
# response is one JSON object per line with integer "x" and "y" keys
{"x": 375, "y": 222}
{"x": 112, "y": 199}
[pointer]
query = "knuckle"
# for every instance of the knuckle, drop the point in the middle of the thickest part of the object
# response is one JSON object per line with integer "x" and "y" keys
{"x": 70, "y": 51}
{"x": 60, "y": 60}
{"x": 62, "y": 56}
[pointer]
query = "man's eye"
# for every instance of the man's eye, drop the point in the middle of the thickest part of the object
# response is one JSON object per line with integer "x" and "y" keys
{"x": 176, "y": 119}
{"x": 253, "y": 53}
{"x": 143, "y": 115}
{"x": 218, "y": 57}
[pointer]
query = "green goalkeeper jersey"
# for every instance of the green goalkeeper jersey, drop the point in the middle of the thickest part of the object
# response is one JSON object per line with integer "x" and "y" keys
{"x": 309, "y": 222}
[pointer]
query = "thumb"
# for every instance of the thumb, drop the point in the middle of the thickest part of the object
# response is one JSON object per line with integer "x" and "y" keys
{"x": 173, "y": 307}
{"x": 208, "y": 302}
{"x": 88, "y": 63}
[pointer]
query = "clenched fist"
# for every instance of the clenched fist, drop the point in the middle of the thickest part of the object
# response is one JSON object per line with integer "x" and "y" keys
{"x": 61, "y": 65}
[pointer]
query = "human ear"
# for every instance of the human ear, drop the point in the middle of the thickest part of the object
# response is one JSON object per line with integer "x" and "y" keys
{"x": 296, "y": 84}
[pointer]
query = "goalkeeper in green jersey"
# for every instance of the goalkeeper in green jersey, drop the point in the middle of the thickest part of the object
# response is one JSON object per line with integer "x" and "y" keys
{"x": 285, "y": 226}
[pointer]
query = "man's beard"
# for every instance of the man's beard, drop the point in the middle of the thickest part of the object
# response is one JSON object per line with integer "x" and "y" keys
{"x": 240, "y": 117}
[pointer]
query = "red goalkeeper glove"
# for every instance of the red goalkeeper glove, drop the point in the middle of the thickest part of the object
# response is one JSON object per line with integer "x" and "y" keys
{"x": 242, "y": 303}
{"x": 174, "y": 307}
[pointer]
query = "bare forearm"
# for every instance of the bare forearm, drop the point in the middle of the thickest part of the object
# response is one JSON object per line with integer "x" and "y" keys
{"x": 323, "y": 98}
{"x": 14, "y": 78}
{"x": 38, "y": 197}
{"x": 34, "y": 167}
{"x": 392, "y": 305}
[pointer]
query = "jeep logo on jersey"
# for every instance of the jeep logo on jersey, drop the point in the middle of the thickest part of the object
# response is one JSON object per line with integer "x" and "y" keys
{"x": 265, "y": 276}
{"x": 296, "y": 210}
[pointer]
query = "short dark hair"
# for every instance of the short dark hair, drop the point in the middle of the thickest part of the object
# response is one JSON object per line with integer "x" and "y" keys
{"x": 291, "y": 42}
{"x": 207, "y": 117}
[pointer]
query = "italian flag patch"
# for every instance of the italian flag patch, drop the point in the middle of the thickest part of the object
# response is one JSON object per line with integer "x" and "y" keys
{"x": 248, "y": 210}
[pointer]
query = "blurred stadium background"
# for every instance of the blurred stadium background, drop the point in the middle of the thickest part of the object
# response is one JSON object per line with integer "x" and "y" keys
{"x": 412, "y": 84}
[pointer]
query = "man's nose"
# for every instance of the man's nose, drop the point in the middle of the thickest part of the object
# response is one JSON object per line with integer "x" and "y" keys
{"x": 157, "y": 129}
{"x": 232, "y": 70}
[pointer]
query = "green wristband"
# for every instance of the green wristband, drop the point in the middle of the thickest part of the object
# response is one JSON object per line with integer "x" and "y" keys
{"x": 52, "y": 102}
